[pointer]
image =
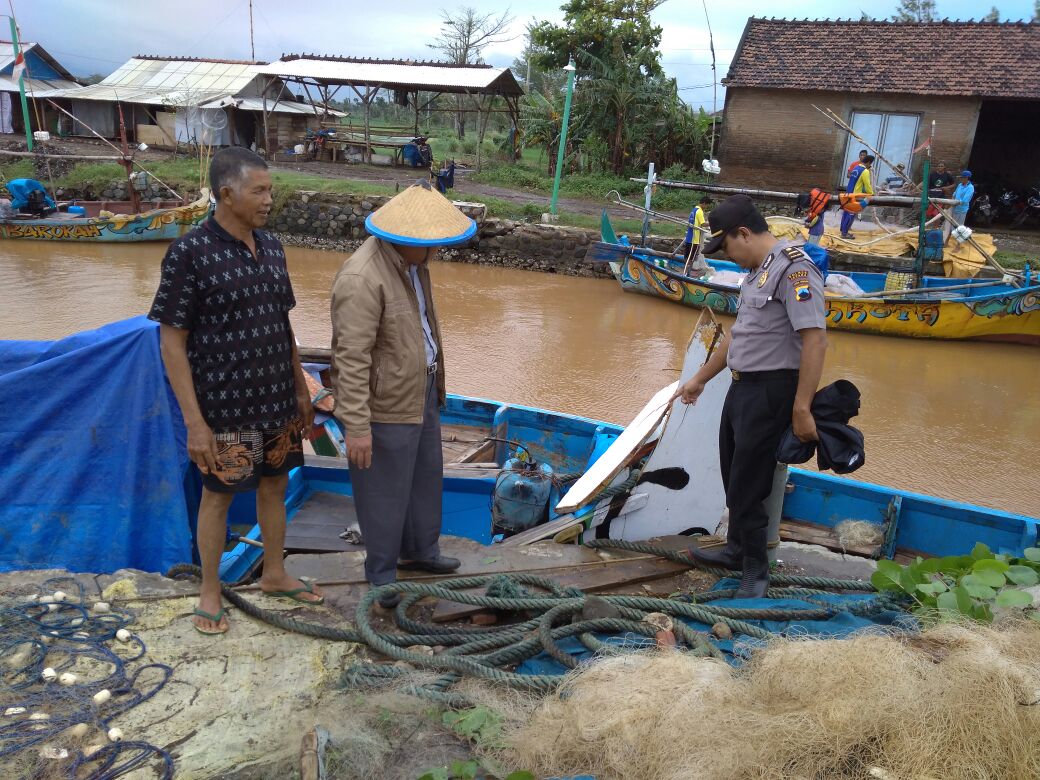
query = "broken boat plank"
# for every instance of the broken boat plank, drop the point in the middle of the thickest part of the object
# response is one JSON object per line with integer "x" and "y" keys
{"x": 591, "y": 579}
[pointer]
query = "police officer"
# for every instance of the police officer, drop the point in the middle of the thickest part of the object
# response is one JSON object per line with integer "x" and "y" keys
{"x": 775, "y": 352}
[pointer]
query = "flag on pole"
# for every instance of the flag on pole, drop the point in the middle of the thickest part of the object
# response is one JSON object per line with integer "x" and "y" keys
{"x": 19, "y": 66}
{"x": 926, "y": 145}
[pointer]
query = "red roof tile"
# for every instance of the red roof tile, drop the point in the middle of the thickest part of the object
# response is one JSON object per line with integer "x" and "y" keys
{"x": 985, "y": 59}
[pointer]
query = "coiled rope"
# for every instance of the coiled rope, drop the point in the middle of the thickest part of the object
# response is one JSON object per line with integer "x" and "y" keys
{"x": 557, "y": 613}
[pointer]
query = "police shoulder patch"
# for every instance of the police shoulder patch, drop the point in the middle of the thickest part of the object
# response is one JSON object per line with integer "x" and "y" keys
{"x": 803, "y": 274}
{"x": 802, "y": 291}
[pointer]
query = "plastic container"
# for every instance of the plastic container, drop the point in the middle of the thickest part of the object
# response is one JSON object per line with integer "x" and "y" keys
{"x": 77, "y": 211}
{"x": 41, "y": 135}
{"x": 298, "y": 149}
{"x": 521, "y": 496}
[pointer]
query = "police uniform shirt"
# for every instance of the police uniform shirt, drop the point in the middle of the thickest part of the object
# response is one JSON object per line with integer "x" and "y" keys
{"x": 783, "y": 296}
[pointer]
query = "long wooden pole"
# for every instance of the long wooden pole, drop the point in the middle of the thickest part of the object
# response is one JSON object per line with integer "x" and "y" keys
{"x": 21, "y": 86}
{"x": 915, "y": 290}
{"x": 839, "y": 122}
{"x": 875, "y": 200}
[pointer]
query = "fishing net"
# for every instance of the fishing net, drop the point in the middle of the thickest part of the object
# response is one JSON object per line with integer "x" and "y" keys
{"x": 859, "y": 533}
{"x": 68, "y": 670}
{"x": 956, "y": 701}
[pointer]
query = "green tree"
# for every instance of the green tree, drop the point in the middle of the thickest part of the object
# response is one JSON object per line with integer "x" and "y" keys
{"x": 992, "y": 16}
{"x": 915, "y": 11}
{"x": 608, "y": 30}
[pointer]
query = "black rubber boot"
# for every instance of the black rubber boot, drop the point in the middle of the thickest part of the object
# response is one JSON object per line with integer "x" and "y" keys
{"x": 755, "y": 580}
{"x": 729, "y": 557}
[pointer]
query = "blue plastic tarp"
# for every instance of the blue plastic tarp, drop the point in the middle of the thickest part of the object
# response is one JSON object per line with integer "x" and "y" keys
{"x": 841, "y": 624}
{"x": 94, "y": 454}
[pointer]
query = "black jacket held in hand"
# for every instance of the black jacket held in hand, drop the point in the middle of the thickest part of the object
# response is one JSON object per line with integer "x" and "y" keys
{"x": 840, "y": 448}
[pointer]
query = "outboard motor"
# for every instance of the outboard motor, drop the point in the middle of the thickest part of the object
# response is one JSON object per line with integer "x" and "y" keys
{"x": 521, "y": 496}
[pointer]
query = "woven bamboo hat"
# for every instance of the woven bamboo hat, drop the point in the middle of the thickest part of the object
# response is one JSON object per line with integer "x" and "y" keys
{"x": 420, "y": 216}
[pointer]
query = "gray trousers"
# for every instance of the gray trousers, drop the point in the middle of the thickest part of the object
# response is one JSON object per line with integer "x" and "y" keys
{"x": 398, "y": 498}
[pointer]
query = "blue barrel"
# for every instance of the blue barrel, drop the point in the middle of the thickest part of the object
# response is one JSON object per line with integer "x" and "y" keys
{"x": 77, "y": 211}
{"x": 521, "y": 497}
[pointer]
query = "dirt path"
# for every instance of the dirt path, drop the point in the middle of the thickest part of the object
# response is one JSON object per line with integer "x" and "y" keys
{"x": 465, "y": 189}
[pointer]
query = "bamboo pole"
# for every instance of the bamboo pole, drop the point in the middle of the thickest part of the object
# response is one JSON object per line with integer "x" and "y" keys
{"x": 989, "y": 258}
{"x": 839, "y": 122}
{"x": 915, "y": 290}
{"x": 875, "y": 200}
{"x": 10, "y": 153}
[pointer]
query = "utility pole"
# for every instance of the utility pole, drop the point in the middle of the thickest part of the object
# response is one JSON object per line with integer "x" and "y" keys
{"x": 563, "y": 136}
{"x": 252, "y": 49}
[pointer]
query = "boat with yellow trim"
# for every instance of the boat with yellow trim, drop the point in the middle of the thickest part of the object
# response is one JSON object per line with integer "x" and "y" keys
{"x": 985, "y": 310}
{"x": 109, "y": 221}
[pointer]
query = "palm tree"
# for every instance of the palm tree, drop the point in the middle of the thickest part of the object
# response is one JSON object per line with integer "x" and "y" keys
{"x": 617, "y": 96}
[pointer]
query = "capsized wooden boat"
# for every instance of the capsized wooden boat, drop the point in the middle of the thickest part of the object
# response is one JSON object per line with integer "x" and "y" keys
{"x": 946, "y": 309}
{"x": 110, "y": 221}
{"x": 684, "y": 495}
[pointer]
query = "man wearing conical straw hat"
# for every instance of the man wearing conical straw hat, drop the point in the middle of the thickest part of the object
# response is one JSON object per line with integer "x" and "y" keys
{"x": 388, "y": 381}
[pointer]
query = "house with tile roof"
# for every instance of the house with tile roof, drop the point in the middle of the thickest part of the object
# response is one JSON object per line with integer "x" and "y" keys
{"x": 979, "y": 82}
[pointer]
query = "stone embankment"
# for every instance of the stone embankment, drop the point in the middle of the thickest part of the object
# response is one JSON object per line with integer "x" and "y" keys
{"x": 337, "y": 221}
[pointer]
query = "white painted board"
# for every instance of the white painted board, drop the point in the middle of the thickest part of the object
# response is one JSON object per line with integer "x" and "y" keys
{"x": 616, "y": 457}
{"x": 691, "y": 442}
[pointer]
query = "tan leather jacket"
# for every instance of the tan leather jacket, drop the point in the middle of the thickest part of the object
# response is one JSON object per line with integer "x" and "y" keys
{"x": 378, "y": 356}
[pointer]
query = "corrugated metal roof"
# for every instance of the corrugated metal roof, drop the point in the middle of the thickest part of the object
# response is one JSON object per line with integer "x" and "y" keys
{"x": 431, "y": 77}
{"x": 257, "y": 104}
{"x": 36, "y": 87}
{"x": 155, "y": 81}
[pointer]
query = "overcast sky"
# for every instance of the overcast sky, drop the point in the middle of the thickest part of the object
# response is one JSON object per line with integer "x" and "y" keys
{"x": 96, "y": 36}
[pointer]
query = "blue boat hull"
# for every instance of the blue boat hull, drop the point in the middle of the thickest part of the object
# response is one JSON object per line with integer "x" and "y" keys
{"x": 916, "y": 524}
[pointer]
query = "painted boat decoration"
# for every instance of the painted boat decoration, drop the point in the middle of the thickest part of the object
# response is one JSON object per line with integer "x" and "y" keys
{"x": 945, "y": 309}
{"x": 159, "y": 224}
{"x": 114, "y": 403}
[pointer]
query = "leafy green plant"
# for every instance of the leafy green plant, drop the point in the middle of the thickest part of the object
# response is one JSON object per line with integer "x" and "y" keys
{"x": 480, "y": 725}
{"x": 969, "y": 585}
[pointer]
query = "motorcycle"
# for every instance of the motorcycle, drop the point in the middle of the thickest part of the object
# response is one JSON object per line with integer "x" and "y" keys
{"x": 1030, "y": 211}
{"x": 1009, "y": 204}
{"x": 982, "y": 211}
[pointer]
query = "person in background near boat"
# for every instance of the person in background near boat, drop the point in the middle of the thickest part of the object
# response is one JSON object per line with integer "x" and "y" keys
{"x": 859, "y": 182}
{"x": 858, "y": 161}
{"x": 223, "y": 306}
{"x": 691, "y": 246}
{"x": 388, "y": 382}
{"x": 963, "y": 194}
{"x": 940, "y": 179}
{"x": 816, "y": 228}
{"x": 775, "y": 352}
{"x": 897, "y": 181}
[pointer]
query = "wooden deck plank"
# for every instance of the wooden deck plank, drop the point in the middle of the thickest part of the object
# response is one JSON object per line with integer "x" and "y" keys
{"x": 591, "y": 579}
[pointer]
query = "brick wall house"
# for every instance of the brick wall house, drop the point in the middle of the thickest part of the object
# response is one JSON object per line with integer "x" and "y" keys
{"x": 979, "y": 82}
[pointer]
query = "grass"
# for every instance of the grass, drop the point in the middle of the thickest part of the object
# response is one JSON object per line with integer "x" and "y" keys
{"x": 1018, "y": 260}
{"x": 590, "y": 186}
{"x": 182, "y": 174}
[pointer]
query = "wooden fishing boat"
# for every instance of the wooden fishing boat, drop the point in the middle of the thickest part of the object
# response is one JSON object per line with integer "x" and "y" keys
{"x": 945, "y": 308}
{"x": 115, "y": 403}
{"x": 110, "y": 221}
{"x": 481, "y": 437}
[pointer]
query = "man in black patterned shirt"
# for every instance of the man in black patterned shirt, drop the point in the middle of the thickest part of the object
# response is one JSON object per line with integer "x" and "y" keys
{"x": 223, "y": 306}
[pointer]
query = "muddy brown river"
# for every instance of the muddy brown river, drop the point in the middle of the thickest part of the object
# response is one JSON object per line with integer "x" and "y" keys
{"x": 957, "y": 420}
